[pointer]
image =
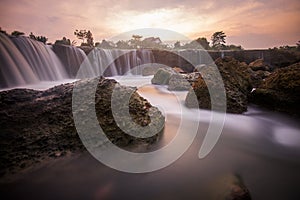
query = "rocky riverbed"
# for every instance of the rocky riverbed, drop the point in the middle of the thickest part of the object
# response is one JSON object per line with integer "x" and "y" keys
{"x": 38, "y": 125}
{"x": 243, "y": 84}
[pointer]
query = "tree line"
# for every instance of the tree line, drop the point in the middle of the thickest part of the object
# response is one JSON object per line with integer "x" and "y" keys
{"x": 217, "y": 42}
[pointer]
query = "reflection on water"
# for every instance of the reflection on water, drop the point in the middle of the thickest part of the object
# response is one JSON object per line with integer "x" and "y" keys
{"x": 263, "y": 147}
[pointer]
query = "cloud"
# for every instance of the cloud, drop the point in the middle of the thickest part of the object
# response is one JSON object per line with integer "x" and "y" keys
{"x": 246, "y": 20}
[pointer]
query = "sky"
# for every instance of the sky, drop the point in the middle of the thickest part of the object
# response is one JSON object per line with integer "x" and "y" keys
{"x": 254, "y": 24}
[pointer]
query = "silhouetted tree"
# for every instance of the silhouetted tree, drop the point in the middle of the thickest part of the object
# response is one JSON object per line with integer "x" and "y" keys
{"x": 218, "y": 40}
{"x": 64, "y": 41}
{"x": 32, "y": 36}
{"x": 203, "y": 42}
{"x": 80, "y": 34}
{"x": 135, "y": 42}
{"x": 233, "y": 47}
{"x": 298, "y": 45}
{"x": 89, "y": 38}
{"x": 3, "y": 31}
{"x": 42, "y": 39}
{"x": 85, "y": 35}
{"x": 17, "y": 33}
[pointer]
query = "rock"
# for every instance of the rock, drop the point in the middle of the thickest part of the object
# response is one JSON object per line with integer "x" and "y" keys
{"x": 259, "y": 64}
{"x": 151, "y": 70}
{"x": 48, "y": 129}
{"x": 162, "y": 76}
{"x": 178, "y": 82}
{"x": 229, "y": 187}
{"x": 199, "y": 67}
{"x": 257, "y": 77}
{"x": 192, "y": 77}
{"x": 178, "y": 70}
{"x": 237, "y": 82}
{"x": 280, "y": 90}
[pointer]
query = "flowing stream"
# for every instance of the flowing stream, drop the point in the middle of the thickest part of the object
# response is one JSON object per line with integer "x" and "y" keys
{"x": 260, "y": 146}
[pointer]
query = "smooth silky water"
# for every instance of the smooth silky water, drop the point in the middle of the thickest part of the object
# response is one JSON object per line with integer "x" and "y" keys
{"x": 260, "y": 146}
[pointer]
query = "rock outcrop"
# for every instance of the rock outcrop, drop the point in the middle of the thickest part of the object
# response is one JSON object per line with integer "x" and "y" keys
{"x": 280, "y": 91}
{"x": 36, "y": 125}
{"x": 259, "y": 64}
{"x": 237, "y": 82}
{"x": 178, "y": 82}
{"x": 162, "y": 76}
{"x": 151, "y": 70}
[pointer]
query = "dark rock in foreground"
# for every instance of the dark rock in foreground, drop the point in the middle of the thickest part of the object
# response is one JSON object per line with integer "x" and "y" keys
{"x": 36, "y": 125}
{"x": 237, "y": 82}
{"x": 280, "y": 91}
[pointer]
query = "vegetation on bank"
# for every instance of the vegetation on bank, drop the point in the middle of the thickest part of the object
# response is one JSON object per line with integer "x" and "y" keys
{"x": 217, "y": 42}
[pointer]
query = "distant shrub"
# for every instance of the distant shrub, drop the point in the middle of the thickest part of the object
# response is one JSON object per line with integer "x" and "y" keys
{"x": 17, "y": 33}
{"x": 64, "y": 41}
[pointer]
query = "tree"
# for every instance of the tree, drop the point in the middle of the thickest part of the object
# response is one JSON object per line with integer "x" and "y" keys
{"x": 137, "y": 37}
{"x": 85, "y": 35}
{"x": 233, "y": 47}
{"x": 3, "y": 31}
{"x": 177, "y": 45}
{"x": 218, "y": 40}
{"x": 80, "y": 34}
{"x": 42, "y": 39}
{"x": 298, "y": 45}
{"x": 89, "y": 38}
{"x": 64, "y": 41}
{"x": 136, "y": 41}
{"x": 203, "y": 42}
{"x": 32, "y": 36}
{"x": 17, "y": 33}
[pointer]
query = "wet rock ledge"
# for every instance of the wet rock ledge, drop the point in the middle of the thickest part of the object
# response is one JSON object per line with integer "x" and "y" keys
{"x": 36, "y": 125}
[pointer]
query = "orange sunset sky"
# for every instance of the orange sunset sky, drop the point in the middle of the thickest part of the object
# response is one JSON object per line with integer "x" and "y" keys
{"x": 250, "y": 23}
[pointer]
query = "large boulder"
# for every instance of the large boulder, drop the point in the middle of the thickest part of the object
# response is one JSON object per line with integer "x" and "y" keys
{"x": 151, "y": 70}
{"x": 280, "y": 91}
{"x": 178, "y": 82}
{"x": 36, "y": 125}
{"x": 237, "y": 82}
{"x": 259, "y": 64}
{"x": 162, "y": 76}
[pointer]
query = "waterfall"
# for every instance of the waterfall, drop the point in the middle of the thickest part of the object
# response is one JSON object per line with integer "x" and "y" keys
{"x": 112, "y": 62}
{"x": 41, "y": 58}
{"x": 26, "y": 61}
{"x": 71, "y": 57}
{"x": 14, "y": 68}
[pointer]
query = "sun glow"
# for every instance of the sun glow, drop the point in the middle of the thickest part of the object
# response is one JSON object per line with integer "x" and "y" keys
{"x": 171, "y": 19}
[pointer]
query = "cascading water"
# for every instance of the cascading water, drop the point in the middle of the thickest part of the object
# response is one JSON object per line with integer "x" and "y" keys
{"x": 25, "y": 61}
{"x": 112, "y": 62}
{"x": 14, "y": 68}
{"x": 71, "y": 57}
{"x": 41, "y": 58}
